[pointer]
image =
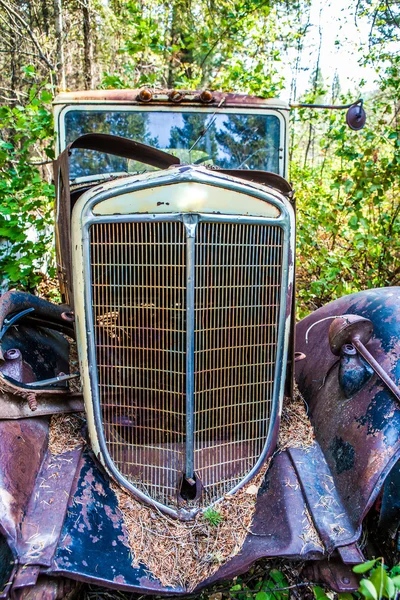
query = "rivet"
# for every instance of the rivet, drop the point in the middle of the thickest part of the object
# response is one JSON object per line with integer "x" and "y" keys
{"x": 206, "y": 96}
{"x": 145, "y": 95}
{"x": 175, "y": 96}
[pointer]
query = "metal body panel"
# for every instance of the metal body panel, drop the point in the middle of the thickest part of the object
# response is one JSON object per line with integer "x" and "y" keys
{"x": 83, "y": 218}
{"x": 185, "y": 197}
{"x": 162, "y": 96}
{"x": 23, "y": 444}
{"x": 84, "y": 538}
{"x": 93, "y": 544}
{"x": 91, "y": 553}
{"x": 359, "y": 436}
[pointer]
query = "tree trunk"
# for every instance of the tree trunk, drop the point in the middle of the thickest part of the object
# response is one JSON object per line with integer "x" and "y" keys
{"x": 87, "y": 46}
{"x": 58, "y": 17}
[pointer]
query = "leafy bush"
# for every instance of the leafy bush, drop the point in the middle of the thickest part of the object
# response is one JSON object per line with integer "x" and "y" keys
{"x": 381, "y": 581}
{"x": 26, "y": 206}
{"x": 349, "y": 205}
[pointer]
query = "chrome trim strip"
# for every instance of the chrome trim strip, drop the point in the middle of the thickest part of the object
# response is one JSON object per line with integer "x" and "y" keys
{"x": 190, "y": 221}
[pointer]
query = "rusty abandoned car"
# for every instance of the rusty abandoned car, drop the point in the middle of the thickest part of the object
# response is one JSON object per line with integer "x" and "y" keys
{"x": 175, "y": 240}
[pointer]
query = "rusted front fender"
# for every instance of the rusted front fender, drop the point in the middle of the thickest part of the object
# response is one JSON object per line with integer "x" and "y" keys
{"x": 359, "y": 435}
{"x": 59, "y": 516}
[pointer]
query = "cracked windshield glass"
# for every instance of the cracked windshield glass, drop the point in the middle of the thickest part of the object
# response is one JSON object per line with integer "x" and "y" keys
{"x": 226, "y": 140}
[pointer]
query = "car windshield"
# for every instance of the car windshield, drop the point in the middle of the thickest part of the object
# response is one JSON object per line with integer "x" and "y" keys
{"x": 226, "y": 140}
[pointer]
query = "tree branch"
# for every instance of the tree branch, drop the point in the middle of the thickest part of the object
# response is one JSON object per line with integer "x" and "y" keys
{"x": 22, "y": 21}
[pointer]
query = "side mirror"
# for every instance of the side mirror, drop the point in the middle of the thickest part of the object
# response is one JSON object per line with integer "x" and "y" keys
{"x": 356, "y": 117}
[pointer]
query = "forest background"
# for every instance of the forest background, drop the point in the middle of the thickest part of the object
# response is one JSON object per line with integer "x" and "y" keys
{"x": 347, "y": 183}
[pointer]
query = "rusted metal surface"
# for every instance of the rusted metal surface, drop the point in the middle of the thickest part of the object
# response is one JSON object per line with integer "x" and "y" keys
{"x": 15, "y": 407}
{"x": 45, "y": 353}
{"x": 45, "y": 313}
{"x": 101, "y": 554}
{"x": 359, "y": 436}
{"x": 84, "y": 538}
{"x": 162, "y": 97}
{"x": 22, "y": 448}
{"x": 63, "y": 226}
{"x": 25, "y": 577}
{"x": 15, "y": 367}
{"x": 264, "y": 177}
{"x": 33, "y": 353}
{"x": 377, "y": 368}
{"x": 388, "y": 529}
{"x": 93, "y": 544}
{"x": 48, "y": 588}
{"x": 351, "y": 554}
{"x": 356, "y": 330}
{"x": 336, "y": 575}
{"x": 293, "y": 487}
{"x": 323, "y": 500}
{"x": 354, "y": 372}
{"x": 46, "y": 510}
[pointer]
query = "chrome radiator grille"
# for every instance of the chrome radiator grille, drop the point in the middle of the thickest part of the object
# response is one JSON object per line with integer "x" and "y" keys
{"x": 139, "y": 276}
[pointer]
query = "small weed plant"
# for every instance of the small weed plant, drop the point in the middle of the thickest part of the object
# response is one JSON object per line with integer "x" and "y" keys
{"x": 213, "y": 517}
{"x": 274, "y": 587}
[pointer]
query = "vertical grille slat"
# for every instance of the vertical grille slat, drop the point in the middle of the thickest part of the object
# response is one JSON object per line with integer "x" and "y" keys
{"x": 139, "y": 274}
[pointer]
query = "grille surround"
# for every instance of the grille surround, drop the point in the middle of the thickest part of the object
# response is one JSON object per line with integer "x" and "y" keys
{"x": 285, "y": 223}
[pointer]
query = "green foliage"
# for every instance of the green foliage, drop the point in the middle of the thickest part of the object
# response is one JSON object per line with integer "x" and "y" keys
{"x": 273, "y": 587}
{"x": 381, "y": 581}
{"x": 319, "y": 593}
{"x": 348, "y": 183}
{"x": 213, "y": 517}
{"x": 26, "y": 200}
{"x": 230, "y": 45}
{"x": 349, "y": 204}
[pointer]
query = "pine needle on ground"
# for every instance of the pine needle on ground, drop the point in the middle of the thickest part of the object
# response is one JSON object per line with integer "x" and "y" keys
{"x": 185, "y": 553}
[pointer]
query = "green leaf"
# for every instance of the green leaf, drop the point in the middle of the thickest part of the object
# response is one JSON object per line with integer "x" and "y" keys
{"x": 278, "y": 577}
{"x": 319, "y": 593}
{"x": 390, "y": 588}
{"x": 379, "y": 579}
{"x": 236, "y": 588}
{"x": 262, "y": 596}
{"x": 367, "y": 589}
{"x": 366, "y": 566}
{"x": 345, "y": 596}
{"x": 396, "y": 581}
{"x": 46, "y": 96}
